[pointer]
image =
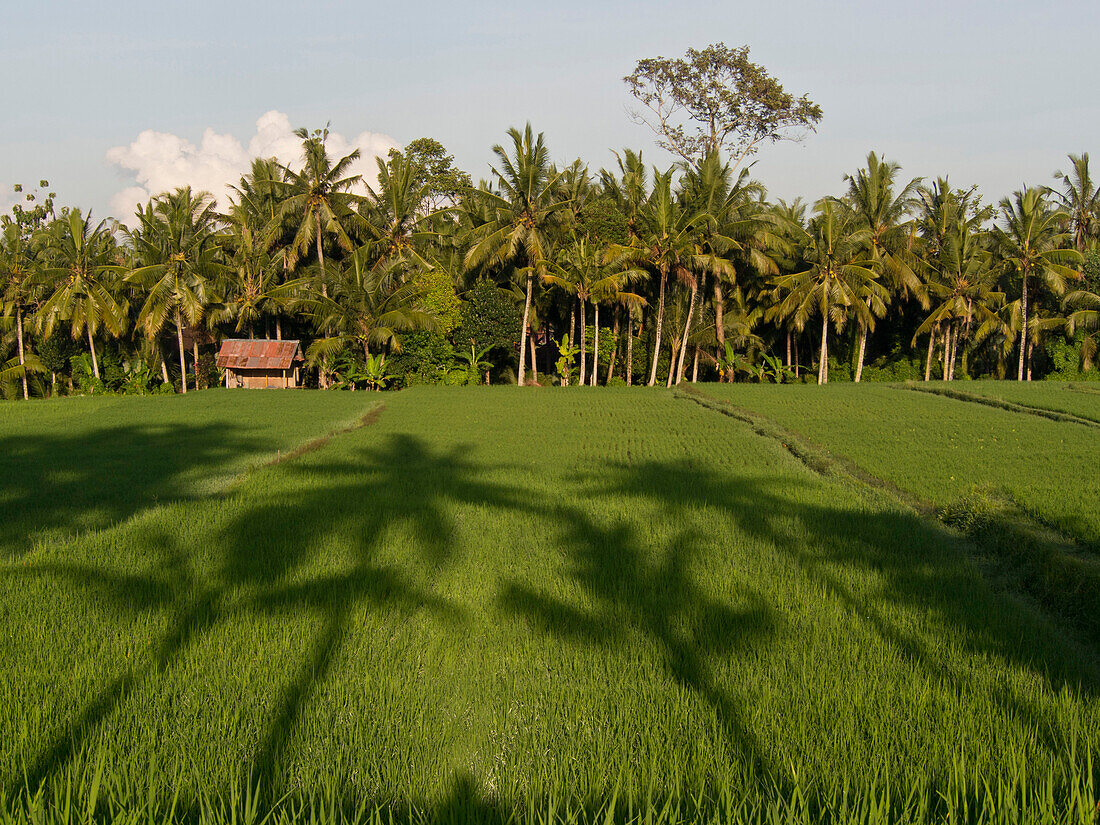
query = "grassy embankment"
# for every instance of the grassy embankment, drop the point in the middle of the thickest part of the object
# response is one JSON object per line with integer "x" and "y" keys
{"x": 556, "y": 602}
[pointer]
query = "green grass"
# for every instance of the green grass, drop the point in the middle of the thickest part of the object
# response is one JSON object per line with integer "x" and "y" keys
{"x": 80, "y": 464}
{"x": 942, "y": 449}
{"x": 1080, "y": 399}
{"x": 552, "y": 604}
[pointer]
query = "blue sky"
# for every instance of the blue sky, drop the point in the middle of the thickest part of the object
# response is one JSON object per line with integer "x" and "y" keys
{"x": 994, "y": 93}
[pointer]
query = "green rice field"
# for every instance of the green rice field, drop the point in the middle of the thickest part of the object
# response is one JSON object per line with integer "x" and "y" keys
{"x": 575, "y": 605}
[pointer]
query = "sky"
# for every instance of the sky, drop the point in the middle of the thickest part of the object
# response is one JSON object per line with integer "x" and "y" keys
{"x": 111, "y": 100}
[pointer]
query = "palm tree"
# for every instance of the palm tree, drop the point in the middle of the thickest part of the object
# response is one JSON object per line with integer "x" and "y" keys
{"x": 370, "y": 306}
{"x": 1085, "y": 316}
{"x": 667, "y": 243}
{"x": 1080, "y": 197}
{"x": 395, "y": 218}
{"x": 1031, "y": 245}
{"x": 17, "y": 269}
{"x": 575, "y": 270}
{"x": 963, "y": 282}
{"x": 739, "y": 233}
{"x": 524, "y": 216}
{"x": 176, "y": 250}
{"x": 317, "y": 200}
{"x": 81, "y": 271}
{"x": 839, "y": 281}
{"x": 253, "y": 288}
{"x": 882, "y": 211}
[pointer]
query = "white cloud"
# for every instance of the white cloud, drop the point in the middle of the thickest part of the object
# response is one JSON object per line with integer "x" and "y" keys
{"x": 159, "y": 161}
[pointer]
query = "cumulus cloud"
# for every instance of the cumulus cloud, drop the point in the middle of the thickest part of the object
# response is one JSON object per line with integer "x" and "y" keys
{"x": 160, "y": 161}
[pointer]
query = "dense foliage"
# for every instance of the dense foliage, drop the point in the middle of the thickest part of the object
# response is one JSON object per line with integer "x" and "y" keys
{"x": 653, "y": 275}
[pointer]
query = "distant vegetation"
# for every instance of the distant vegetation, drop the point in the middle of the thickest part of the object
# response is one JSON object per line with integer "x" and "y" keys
{"x": 749, "y": 604}
{"x": 650, "y": 275}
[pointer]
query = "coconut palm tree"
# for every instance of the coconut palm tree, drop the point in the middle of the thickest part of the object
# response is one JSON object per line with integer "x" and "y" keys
{"x": 839, "y": 281}
{"x": 575, "y": 269}
{"x": 741, "y": 234}
{"x": 176, "y": 253}
{"x": 1080, "y": 197}
{"x": 962, "y": 283}
{"x": 1031, "y": 245}
{"x": 526, "y": 212}
{"x": 667, "y": 243}
{"x": 370, "y": 306}
{"x": 396, "y": 220}
{"x": 17, "y": 267}
{"x": 81, "y": 272}
{"x": 317, "y": 200}
{"x": 882, "y": 210}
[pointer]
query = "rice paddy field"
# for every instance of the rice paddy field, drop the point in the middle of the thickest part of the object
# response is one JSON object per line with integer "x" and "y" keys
{"x": 577, "y": 605}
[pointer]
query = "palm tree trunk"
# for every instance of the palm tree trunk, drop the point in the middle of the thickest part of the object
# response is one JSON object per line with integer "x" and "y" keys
{"x": 1030, "y": 352}
{"x": 179, "y": 340}
{"x": 788, "y": 349}
{"x": 596, "y": 346}
{"x": 523, "y": 330}
{"x": 278, "y": 328}
{"x": 321, "y": 258}
{"x": 797, "y": 361}
{"x": 660, "y": 323}
{"x": 195, "y": 355}
{"x": 615, "y": 341}
{"x": 584, "y": 334}
{"x": 946, "y": 350}
{"x": 862, "y": 350}
{"x": 1023, "y": 328}
{"x": 22, "y": 357}
{"x": 572, "y": 323}
{"x": 687, "y": 330}
{"x": 91, "y": 346}
{"x": 674, "y": 346}
{"x": 928, "y": 358}
{"x": 629, "y": 348}
{"x": 534, "y": 361}
{"x": 163, "y": 364}
{"x": 695, "y": 367}
{"x": 823, "y": 365}
{"x": 949, "y": 351}
{"x": 719, "y": 316}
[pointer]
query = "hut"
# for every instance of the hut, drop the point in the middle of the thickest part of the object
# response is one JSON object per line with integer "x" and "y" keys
{"x": 260, "y": 364}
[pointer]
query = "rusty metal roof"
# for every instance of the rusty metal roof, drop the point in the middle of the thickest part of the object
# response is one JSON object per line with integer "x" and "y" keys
{"x": 243, "y": 354}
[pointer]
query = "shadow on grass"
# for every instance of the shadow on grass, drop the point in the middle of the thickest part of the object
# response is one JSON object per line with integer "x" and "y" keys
{"x": 263, "y": 551}
{"x": 348, "y": 505}
{"x": 58, "y": 485}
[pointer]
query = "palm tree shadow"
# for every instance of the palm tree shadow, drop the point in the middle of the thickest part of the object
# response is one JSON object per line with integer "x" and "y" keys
{"x": 401, "y": 484}
{"x": 58, "y": 485}
{"x": 271, "y": 549}
{"x": 923, "y": 568}
{"x": 639, "y": 589}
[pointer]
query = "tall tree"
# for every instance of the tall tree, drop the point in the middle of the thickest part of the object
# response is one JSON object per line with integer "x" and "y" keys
{"x": 667, "y": 243}
{"x": 17, "y": 263}
{"x": 317, "y": 200}
{"x": 717, "y": 100}
{"x": 962, "y": 282}
{"x": 1080, "y": 197}
{"x": 81, "y": 271}
{"x": 1031, "y": 245}
{"x": 525, "y": 214}
{"x": 839, "y": 281}
{"x": 176, "y": 253}
{"x": 370, "y": 306}
{"x": 882, "y": 210}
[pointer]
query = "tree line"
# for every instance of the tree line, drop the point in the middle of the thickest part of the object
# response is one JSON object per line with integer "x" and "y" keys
{"x": 550, "y": 273}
